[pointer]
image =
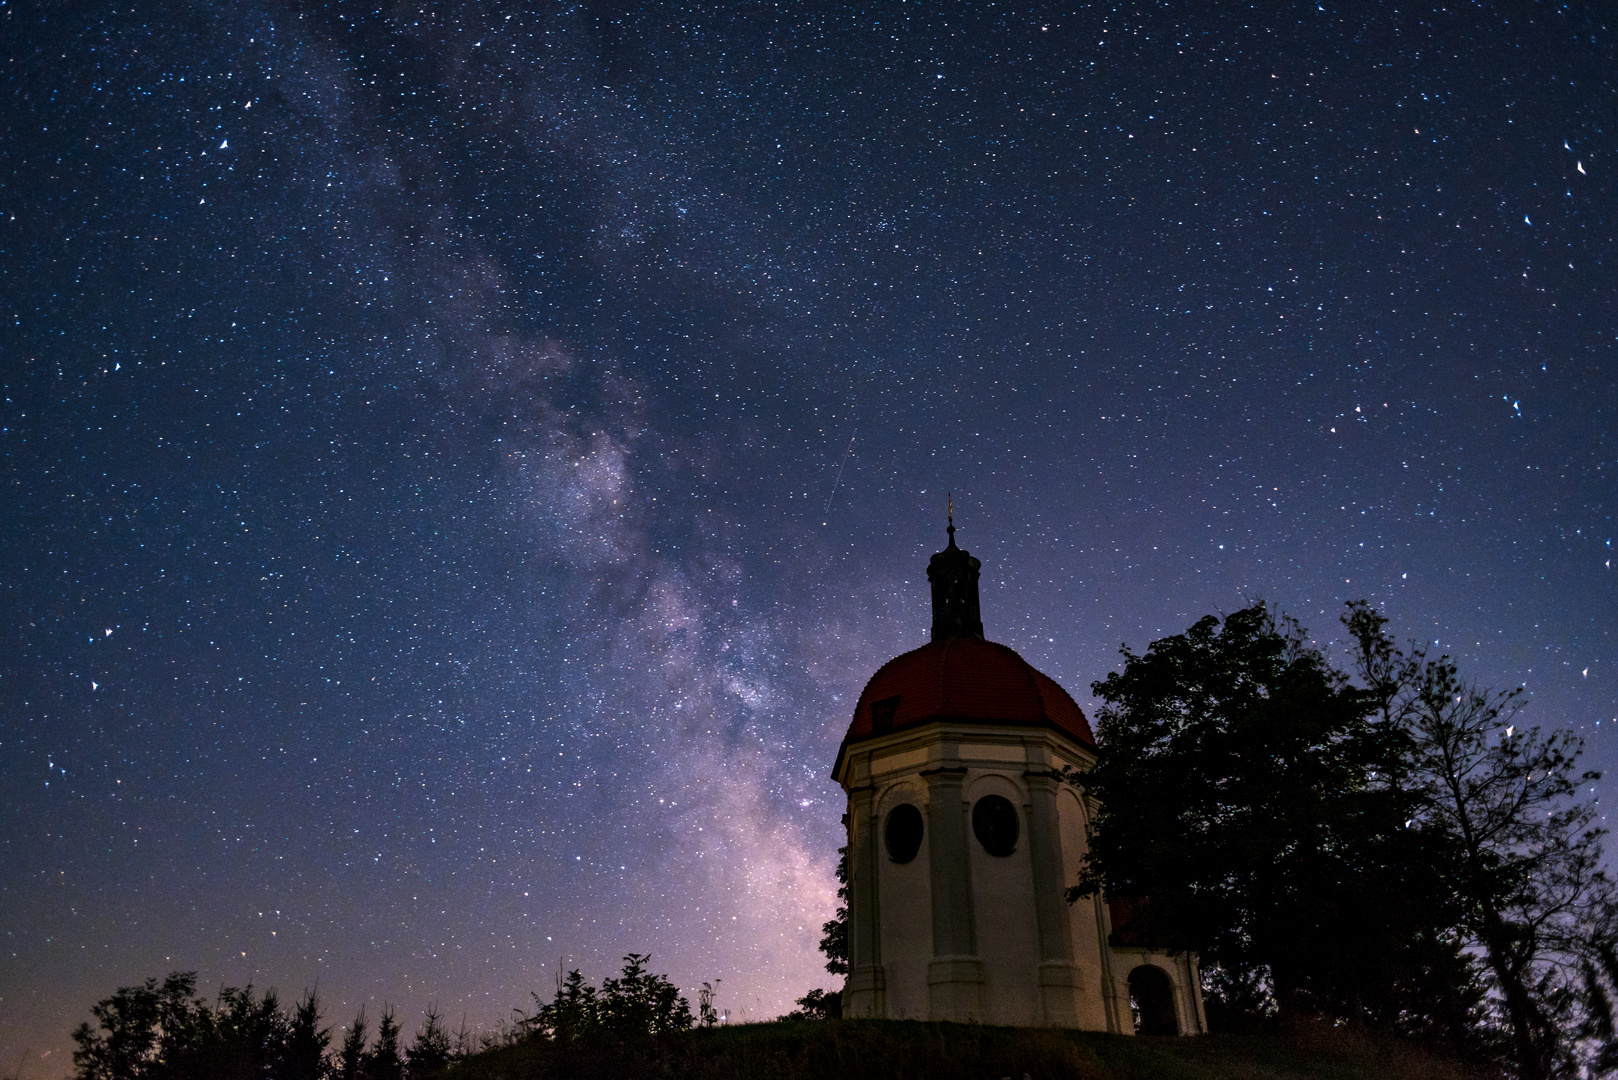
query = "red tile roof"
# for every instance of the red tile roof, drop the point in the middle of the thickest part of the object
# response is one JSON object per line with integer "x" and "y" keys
{"x": 965, "y": 679}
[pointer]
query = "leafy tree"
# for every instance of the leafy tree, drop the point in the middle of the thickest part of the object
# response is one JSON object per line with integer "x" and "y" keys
{"x": 834, "y": 939}
{"x": 1533, "y": 898}
{"x": 1245, "y": 806}
{"x": 639, "y": 1003}
{"x": 135, "y": 1026}
{"x": 633, "y": 1007}
{"x": 240, "y": 1038}
{"x": 1597, "y": 1032}
{"x": 1398, "y": 851}
{"x": 574, "y": 1012}
{"x": 818, "y": 1005}
{"x": 429, "y": 1054}
{"x": 165, "y": 1032}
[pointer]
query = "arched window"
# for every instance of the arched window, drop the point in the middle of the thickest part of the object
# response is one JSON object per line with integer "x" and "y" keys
{"x": 903, "y": 833}
{"x": 994, "y": 821}
{"x": 1151, "y": 1000}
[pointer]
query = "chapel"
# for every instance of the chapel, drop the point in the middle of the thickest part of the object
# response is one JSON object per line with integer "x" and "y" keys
{"x": 962, "y": 839}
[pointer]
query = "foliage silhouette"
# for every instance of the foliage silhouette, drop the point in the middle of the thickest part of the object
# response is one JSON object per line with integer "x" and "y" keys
{"x": 1532, "y": 896}
{"x": 351, "y": 1059}
{"x": 1386, "y": 848}
{"x": 633, "y": 1007}
{"x": 384, "y": 1061}
{"x": 431, "y": 1051}
{"x": 834, "y": 939}
{"x": 1243, "y": 789}
{"x": 304, "y": 1054}
{"x": 818, "y": 1005}
{"x": 163, "y": 1031}
{"x": 622, "y": 1028}
{"x": 707, "y": 1015}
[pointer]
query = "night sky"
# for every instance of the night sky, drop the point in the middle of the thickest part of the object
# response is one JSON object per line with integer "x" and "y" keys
{"x": 461, "y": 462}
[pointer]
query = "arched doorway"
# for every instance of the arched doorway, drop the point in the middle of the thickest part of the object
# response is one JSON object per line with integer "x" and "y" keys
{"x": 1151, "y": 1000}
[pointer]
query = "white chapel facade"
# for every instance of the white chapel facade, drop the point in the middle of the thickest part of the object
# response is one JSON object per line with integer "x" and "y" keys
{"x": 962, "y": 839}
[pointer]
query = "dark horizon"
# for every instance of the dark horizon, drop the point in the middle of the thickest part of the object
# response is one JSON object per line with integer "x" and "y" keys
{"x": 462, "y": 462}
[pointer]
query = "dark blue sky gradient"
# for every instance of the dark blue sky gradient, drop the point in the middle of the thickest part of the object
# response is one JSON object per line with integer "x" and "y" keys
{"x": 462, "y": 462}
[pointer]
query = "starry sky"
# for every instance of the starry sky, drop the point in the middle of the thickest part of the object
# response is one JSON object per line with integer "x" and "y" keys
{"x": 462, "y": 461}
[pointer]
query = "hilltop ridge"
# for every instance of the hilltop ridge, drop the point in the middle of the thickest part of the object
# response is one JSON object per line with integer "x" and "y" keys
{"x": 901, "y": 1049}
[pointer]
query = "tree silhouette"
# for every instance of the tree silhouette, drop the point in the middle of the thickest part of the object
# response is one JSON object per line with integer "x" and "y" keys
{"x": 834, "y": 933}
{"x": 304, "y": 1057}
{"x": 384, "y": 1061}
{"x": 429, "y": 1054}
{"x": 133, "y": 1025}
{"x": 1532, "y": 894}
{"x": 1246, "y": 808}
{"x": 634, "y": 1006}
{"x": 817, "y": 1004}
{"x": 165, "y": 1032}
{"x": 351, "y": 1059}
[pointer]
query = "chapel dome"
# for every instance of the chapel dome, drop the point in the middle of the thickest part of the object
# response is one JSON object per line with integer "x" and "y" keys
{"x": 965, "y": 680}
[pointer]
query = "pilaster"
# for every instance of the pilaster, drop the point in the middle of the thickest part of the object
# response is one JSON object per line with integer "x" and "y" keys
{"x": 1119, "y": 1019}
{"x": 864, "y": 994}
{"x": 1059, "y": 980}
{"x": 955, "y": 975}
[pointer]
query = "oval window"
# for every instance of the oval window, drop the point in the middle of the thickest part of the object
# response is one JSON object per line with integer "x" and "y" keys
{"x": 903, "y": 833}
{"x": 994, "y": 821}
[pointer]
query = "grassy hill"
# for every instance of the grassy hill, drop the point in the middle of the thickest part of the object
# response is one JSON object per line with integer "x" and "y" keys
{"x": 914, "y": 1050}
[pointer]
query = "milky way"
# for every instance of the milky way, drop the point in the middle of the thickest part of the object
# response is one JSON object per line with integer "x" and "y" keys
{"x": 462, "y": 462}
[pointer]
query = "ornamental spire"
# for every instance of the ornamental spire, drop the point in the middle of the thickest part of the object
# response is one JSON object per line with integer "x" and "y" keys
{"x": 954, "y": 576}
